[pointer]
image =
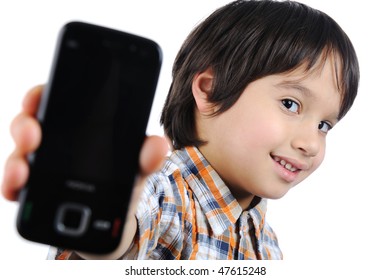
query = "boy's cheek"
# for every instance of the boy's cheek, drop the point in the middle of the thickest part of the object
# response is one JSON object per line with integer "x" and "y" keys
{"x": 316, "y": 163}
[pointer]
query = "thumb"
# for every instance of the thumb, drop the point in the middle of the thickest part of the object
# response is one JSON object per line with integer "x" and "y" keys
{"x": 152, "y": 154}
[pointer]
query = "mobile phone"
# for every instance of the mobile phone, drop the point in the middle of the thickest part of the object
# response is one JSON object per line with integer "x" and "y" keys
{"x": 93, "y": 113}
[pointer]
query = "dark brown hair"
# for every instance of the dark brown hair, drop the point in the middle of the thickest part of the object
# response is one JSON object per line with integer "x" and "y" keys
{"x": 247, "y": 40}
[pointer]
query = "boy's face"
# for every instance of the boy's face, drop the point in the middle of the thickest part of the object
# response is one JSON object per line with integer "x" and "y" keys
{"x": 274, "y": 136}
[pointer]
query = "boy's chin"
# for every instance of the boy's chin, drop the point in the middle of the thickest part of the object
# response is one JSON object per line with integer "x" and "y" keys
{"x": 276, "y": 194}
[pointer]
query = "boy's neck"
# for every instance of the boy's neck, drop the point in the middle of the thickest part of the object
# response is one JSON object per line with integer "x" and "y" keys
{"x": 244, "y": 198}
{"x": 246, "y": 202}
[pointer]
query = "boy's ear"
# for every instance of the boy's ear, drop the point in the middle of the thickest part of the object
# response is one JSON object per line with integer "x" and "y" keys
{"x": 202, "y": 87}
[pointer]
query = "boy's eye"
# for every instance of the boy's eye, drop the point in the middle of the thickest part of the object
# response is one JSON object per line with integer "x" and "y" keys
{"x": 324, "y": 127}
{"x": 291, "y": 105}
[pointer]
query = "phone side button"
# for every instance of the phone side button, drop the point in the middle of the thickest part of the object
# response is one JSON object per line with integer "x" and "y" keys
{"x": 72, "y": 219}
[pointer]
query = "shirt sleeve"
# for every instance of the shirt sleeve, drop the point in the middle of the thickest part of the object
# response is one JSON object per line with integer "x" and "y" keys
{"x": 148, "y": 215}
{"x": 62, "y": 254}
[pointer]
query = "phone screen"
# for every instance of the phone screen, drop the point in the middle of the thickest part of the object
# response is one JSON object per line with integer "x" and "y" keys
{"x": 93, "y": 115}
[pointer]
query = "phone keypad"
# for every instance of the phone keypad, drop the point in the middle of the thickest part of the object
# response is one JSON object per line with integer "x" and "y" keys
{"x": 72, "y": 219}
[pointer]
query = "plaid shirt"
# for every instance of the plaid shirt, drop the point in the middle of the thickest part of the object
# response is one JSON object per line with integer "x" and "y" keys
{"x": 187, "y": 212}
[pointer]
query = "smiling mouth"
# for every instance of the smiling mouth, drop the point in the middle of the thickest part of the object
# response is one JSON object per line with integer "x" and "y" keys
{"x": 285, "y": 164}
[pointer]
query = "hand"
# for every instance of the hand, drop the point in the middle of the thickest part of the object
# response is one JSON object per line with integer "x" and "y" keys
{"x": 26, "y": 134}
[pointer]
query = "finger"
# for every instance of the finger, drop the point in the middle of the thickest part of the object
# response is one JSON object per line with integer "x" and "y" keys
{"x": 26, "y": 133}
{"x": 31, "y": 100}
{"x": 15, "y": 176}
{"x": 152, "y": 154}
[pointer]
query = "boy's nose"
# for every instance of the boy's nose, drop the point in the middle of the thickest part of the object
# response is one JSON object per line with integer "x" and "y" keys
{"x": 307, "y": 141}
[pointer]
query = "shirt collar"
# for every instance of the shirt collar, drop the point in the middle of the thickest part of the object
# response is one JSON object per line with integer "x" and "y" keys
{"x": 215, "y": 199}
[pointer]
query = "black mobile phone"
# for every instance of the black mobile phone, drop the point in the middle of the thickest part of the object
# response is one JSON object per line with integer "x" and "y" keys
{"x": 93, "y": 114}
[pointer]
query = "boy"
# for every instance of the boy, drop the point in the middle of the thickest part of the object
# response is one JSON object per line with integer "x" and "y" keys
{"x": 256, "y": 88}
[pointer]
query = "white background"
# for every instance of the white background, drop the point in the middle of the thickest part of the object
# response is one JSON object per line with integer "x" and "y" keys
{"x": 335, "y": 223}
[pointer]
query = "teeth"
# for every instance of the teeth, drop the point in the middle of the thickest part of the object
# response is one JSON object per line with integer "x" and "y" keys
{"x": 285, "y": 164}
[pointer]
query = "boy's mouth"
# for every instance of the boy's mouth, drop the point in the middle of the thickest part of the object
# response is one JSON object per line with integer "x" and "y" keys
{"x": 287, "y": 165}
